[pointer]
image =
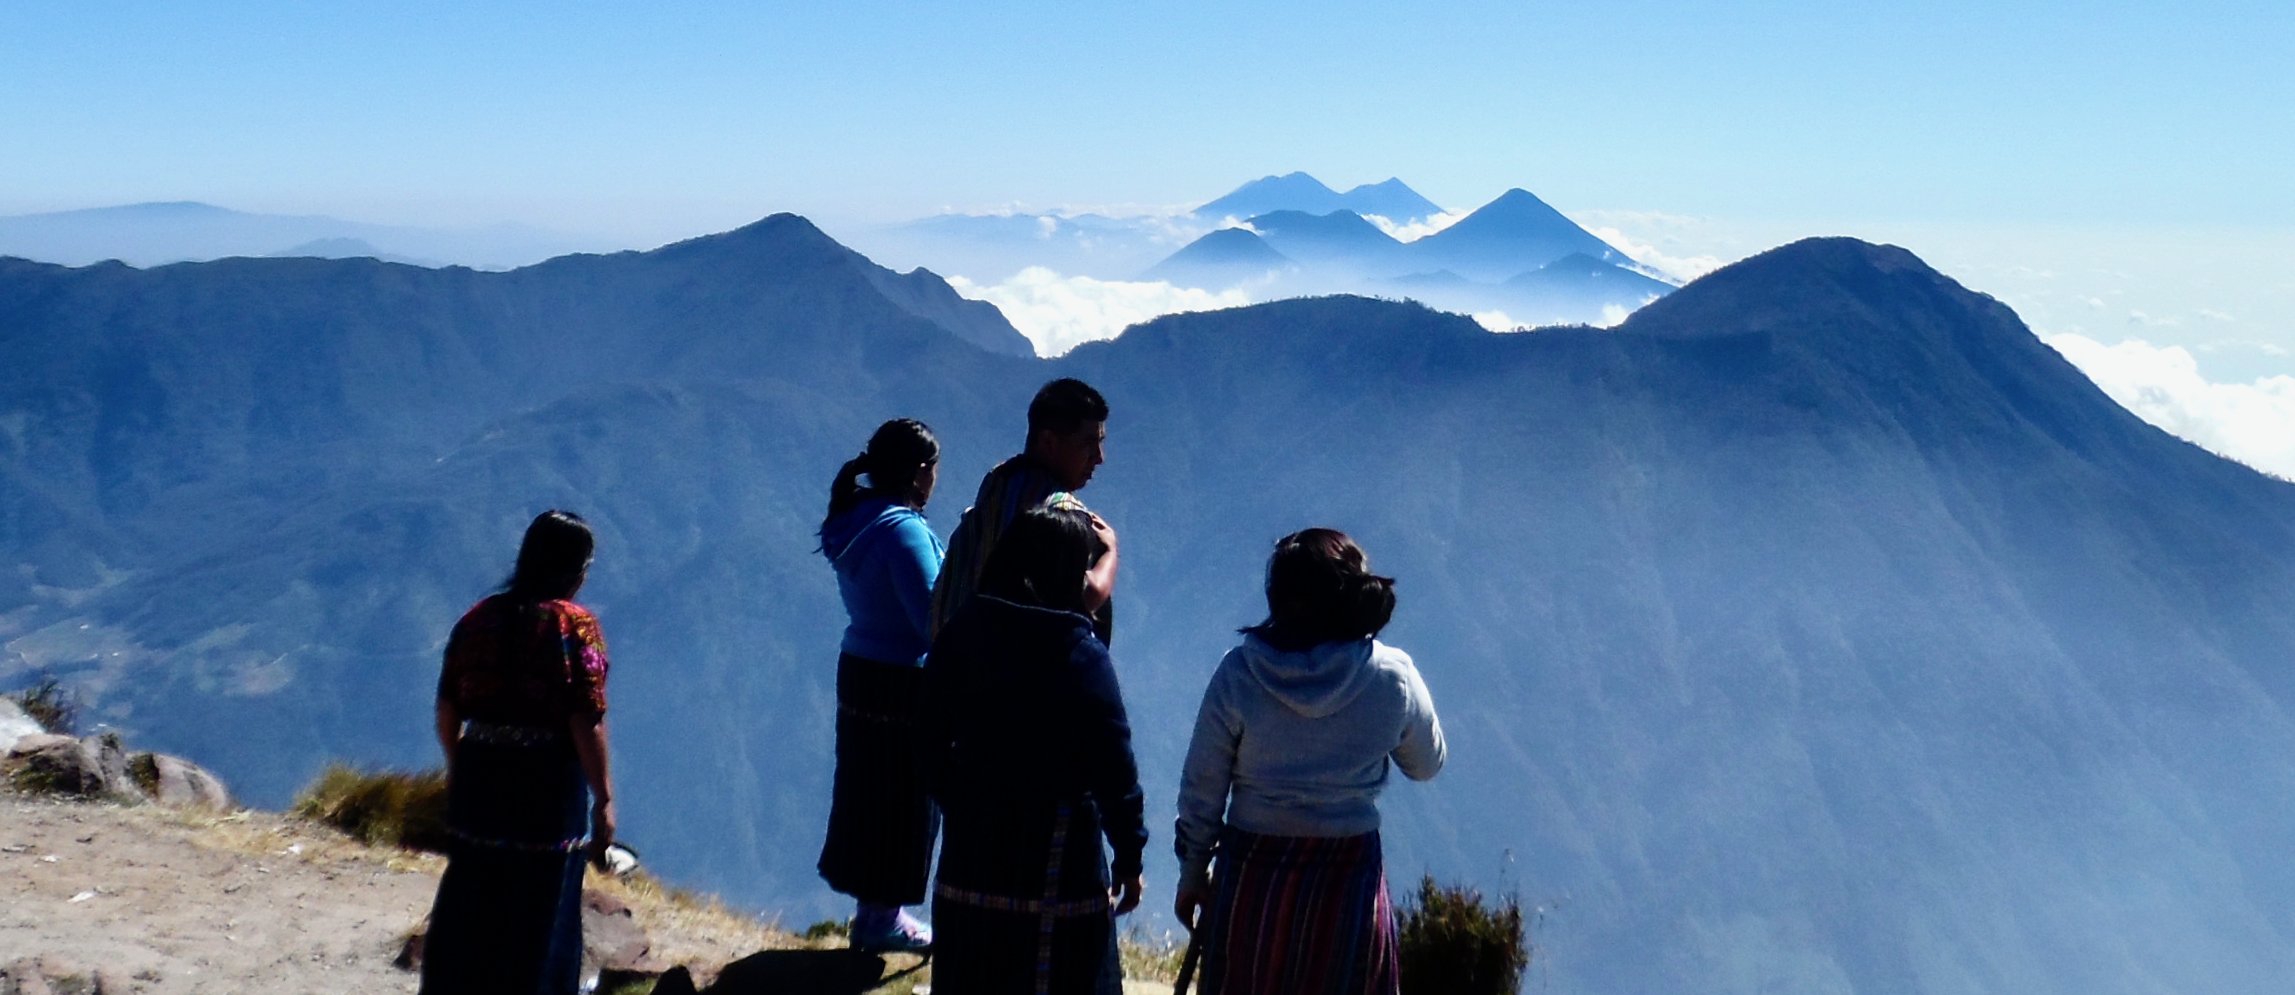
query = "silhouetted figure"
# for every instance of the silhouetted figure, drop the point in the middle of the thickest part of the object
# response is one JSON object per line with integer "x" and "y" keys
{"x": 1067, "y": 437}
{"x": 1031, "y": 759}
{"x": 881, "y": 822}
{"x": 521, "y": 716}
{"x": 1282, "y": 783}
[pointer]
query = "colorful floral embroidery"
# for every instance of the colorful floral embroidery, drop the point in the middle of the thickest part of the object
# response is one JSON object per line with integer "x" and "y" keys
{"x": 525, "y": 665}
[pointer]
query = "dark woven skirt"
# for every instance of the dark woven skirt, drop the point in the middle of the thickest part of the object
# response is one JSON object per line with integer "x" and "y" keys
{"x": 1022, "y": 903}
{"x": 508, "y": 914}
{"x": 881, "y": 822}
{"x": 1300, "y": 915}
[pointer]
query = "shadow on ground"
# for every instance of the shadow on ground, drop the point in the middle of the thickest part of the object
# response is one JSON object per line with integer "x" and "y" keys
{"x": 794, "y": 972}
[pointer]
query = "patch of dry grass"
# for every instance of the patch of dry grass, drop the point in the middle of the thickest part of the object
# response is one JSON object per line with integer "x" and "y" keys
{"x": 1456, "y": 943}
{"x": 380, "y": 807}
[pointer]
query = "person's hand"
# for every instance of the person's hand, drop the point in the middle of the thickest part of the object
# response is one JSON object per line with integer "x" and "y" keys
{"x": 1127, "y": 894}
{"x": 602, "y": 827}
{"x": 1189, "y": 903}
{"x": 1106, "y": 532}
{"x": 1100, "y": 581}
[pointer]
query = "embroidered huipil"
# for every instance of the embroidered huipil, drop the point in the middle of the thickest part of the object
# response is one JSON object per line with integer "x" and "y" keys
{"x": 533, "y": 665}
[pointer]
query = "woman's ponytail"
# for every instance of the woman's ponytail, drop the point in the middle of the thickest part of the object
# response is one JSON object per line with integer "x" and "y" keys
{"x": 1369, "y": 602}
{"x": 846, "y": 491}
{"x": 1320, "y": 589}
{"x": 898, "y": 449}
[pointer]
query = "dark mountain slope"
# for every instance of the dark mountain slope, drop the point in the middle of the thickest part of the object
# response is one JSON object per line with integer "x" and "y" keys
{"x": 1816, "y": 630}
{"x": 1833, "y": 616}
{"x": 250, "y": 374}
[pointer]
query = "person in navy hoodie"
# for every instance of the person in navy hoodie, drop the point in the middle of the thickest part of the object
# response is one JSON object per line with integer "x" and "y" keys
{"x": 881, "y": 822}
{"x": 1028, "y": 748}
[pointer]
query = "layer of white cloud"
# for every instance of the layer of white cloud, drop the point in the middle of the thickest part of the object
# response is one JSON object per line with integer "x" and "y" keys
{"x": 1059, "y": 313}
{"x": 1680, "y": 269}
{"x": 1497, "y": 321}
{"x": 1412, "y": 231}
{"x": 2253, "y": 423}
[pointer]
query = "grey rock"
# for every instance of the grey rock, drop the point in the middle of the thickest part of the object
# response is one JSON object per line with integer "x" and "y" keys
{"x": 90, "y": 767}
{"x": 612, "y": 941}
{"x": 178, "y": 783}
{"x": 111, "y": 761}
{"x": 611, "y": 937}
{"x": 36, "y": 742}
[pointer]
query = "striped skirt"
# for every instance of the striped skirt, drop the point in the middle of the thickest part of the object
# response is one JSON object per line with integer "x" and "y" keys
{"x": 1300, "y": 915}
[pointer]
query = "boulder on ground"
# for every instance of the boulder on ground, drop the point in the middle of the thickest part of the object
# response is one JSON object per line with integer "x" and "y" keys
{"x": 36, "y": 742}
{"x": 178, "y": 783}
{"x": 612, "y": 939}
{"x": 89, "y": 767}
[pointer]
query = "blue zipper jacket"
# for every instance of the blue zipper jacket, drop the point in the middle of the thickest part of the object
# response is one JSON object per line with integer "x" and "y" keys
{"x": 886, "y": 559}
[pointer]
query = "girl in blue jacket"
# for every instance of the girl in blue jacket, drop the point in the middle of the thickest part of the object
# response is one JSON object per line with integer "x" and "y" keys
{"x": 881, "y": 823}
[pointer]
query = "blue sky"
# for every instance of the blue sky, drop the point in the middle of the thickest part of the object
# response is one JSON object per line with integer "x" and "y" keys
{"x": 2117, "y": 171}
{"x": 675, "y": 113}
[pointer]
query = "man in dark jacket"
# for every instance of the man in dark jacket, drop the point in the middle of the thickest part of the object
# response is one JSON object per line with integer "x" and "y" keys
{"x": 1067, "y": 436}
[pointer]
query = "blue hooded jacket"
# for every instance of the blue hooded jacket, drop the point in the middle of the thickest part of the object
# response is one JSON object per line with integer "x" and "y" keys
{"x": 886, "y": 559}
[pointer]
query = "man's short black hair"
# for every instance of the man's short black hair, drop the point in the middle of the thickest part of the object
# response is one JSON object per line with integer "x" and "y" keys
{"x": 1065, "y": 405}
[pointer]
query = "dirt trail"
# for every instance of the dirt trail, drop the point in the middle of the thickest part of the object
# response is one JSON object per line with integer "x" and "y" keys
{"x": 164, "y": 902}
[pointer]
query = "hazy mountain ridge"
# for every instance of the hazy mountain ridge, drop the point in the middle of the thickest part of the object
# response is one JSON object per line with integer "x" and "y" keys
{"x": 160, "y": 233}
{"x": 1390, "y": 199}
{"x": 1816, "y": 629}
{"x": 1515, "y": 256}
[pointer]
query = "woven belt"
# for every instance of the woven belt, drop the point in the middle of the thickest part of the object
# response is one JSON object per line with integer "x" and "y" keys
{"x": 864, "y": 715}
{"x": 502, "y": 735}
{"x": 560, "y": 846}
{"x": 1025, "y": 906}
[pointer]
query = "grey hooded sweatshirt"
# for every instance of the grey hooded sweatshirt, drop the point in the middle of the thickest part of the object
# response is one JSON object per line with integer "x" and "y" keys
{"x": 1296, "y": 743}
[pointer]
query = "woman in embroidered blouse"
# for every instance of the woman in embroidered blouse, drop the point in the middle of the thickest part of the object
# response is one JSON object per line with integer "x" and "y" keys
{"x": 521, "y": 717}
{"x": 1029, "y": 752}
{"x": 881, "y": 824}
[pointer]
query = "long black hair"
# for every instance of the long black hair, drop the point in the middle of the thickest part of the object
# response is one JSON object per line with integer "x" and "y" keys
{"x": 1042, "y": 557}
{"x": 1320, "y": 589}
{"x": 895, "y": 453}
{"x": 553, "y": 559}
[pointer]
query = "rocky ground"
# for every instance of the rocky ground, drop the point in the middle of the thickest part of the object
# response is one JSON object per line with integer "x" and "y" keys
{"x": 112, "y": 898}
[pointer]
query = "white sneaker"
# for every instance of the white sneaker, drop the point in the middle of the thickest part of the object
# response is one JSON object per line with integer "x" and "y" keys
{"x": 906, "y": 935}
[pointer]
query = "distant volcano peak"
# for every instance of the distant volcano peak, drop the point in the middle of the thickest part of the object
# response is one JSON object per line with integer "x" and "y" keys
{"x": 1389, "y": 198}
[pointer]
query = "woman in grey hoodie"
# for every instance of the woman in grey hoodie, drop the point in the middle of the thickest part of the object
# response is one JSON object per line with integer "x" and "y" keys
{"x": 1282, "y": 782}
